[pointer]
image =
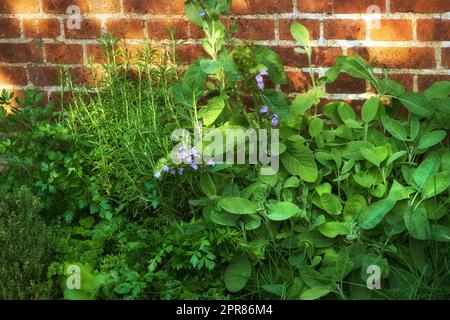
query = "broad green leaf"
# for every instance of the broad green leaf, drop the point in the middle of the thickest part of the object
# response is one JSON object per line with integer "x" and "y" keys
{"x": 237, "y": 205}
{"x": 314, "y": 293}
{"x": 252, "y": 222}
{"x": 229, "y": 67}
{"x": 417, "y": 103}
{"x": 352, "y": 150}
{"x": 370, "y": 109}
{"x": 375, "y": 156}
{"x": 323, "y": 189}
{"x": 371, "y": 216}
{"x": 396, "y": 156}
{"x": 431, "y": 139}
{"x": 414, "y": 127}
{"x": 440, "y": 233}
{"x": 417, "y": 224}
{"x": 195, "y": 79}
{"x": 221, "y": 217}
{"x": 192, "y": 11}
{"x": 356, "y": 67}
{"x": 299, "y": 161}
{"x": 207, "y": 185}
{"x": 292, "y": 182}
{"x": 237, "y": 274}
{"x": 391, "y": 87}
{"x": 395, "y": 128}
{"x": 283, "y": 211}
{"x": 399, "y": 192}
{"x": 210, "y": 66}
{"x": 331, "y": 203}
{"x": 277, "y": 103}
{"x": 346, "y": 112}
{"x": 303, "y": 102}
{"x": 212, "y": 111}
{"x": 364, "y": 180}
{"x": 436, "y": 184}
{"x": 439, "y": 89}
{"x": 426, "y": 169}
{"x": 354, "y": 204}
{"x": 300, "y": 33}
{"x": 267, "y": 57}
{"x": 333, "y": 229}
{"x": 315, "y": 127}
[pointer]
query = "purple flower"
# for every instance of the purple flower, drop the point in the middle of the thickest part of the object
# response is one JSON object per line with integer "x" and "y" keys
{"x": 193, "y": 152}
{"x": 264, "y": 73}
{"x": 181, "y": 171}
{"x": 194, "y": 166}
{"x": 202, "y": 14}
{"x": 157, "y": 175}
{"x": 275, "y": 121}
{"x": 212, "y": 162}
{"x": 166, "y": 169}
{"x": 275, "y": 115}
{"x": 182, "y": 155}
{"x": 260, "y": 81}
{"x": 264, "y": 110}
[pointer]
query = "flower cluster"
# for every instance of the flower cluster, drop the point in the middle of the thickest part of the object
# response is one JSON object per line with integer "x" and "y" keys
{"x": 260, "y": 80}
{"x": 265, "y": 110}
{"x": 187, "y": 156}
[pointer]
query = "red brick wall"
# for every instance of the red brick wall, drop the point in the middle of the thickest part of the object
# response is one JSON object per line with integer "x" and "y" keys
{"x": 413, "y": 38}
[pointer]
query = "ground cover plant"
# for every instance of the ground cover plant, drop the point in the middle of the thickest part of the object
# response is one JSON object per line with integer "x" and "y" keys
{"x": 143, "y": 219}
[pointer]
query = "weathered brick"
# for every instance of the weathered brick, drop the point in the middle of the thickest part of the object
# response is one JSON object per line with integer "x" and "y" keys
{"x": 64, "y": 53}
{"x": 126, "y": 28}
{"x": 392, "y": 30}
{"x": 433, "y": 30}
{"x": 188, "y": 53}
{"x": 86, "y": 6}
{"x": 255, "y": 29}
{"x": 154, "y": 6}
{"x": 96, "y": 52}
{"x": 345, "y": 29}
{"x": 90, "y": 29}
{"x": 44, "y": 75}
{"x": 420, "y": 6}
{"x": 321, "y": 56}
{"x": 410, "y": 58}
{"x": 339, "y": 6}
{"x": 313, "y": 27}
{"x": 297, "y": 82}
{"x": 261, "y": 6}
{"x": 19, "y": 6}
{"x": 41, "y": 28}
{"x": 445, "y": 53}
{"x": 10, "y": 28}
{"x": 346, "y": 84}
{"x": 424, "y": 81}
{"x": 13, "y": 76}
{"x": 20, "y": 52}
{"x": 158, "y": 29}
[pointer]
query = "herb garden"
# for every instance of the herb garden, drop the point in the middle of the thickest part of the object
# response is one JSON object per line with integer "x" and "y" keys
{"x": 359, "y": 207}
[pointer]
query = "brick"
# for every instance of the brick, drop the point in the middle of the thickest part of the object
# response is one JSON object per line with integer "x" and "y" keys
{"x": 158, "y": 29}
{"x": 420, "y": 6}
{"x": 126, "y": 28}
{"x": 41, "y": 28}
{"x": 392, "y": 30}
{"x": 433, "y": 30}
{"x": 13, "y": 76}
{"x": 445, "y": 52}
{"x": 163, "y": 7}
{"x": 44, "y": 75}
{"x": 261, "y": 6}
{"x": 339, "y": 6}
{"x": 195, "y": 32}
{"x": 90, "y": 29}
{"x": 321, "y": 56}
{"x": 82, "y": 76}
{"x": 188, "y": 53}
{"x": 64, "y": 53}
{"x": 10, "y": 28}
{"x": 255, "y": 29}
{"x": 20, "y": 52}
{"x": 346, "y": 84}
{"x": 86, "y": 6}
{"x": 312, "y": 25}
{"x": 345, "y": 29}
{"x": 424, "y": 81}
{"x": 96, "y": 52}
{"x": 410, "y": 58}
{"x": 406, "y": 80}
{"x": 19, "y": 6}
{"x": 297, "y": 82}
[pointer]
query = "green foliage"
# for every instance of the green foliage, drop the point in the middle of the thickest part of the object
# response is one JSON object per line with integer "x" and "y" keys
{"x": 27, "y": 248}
